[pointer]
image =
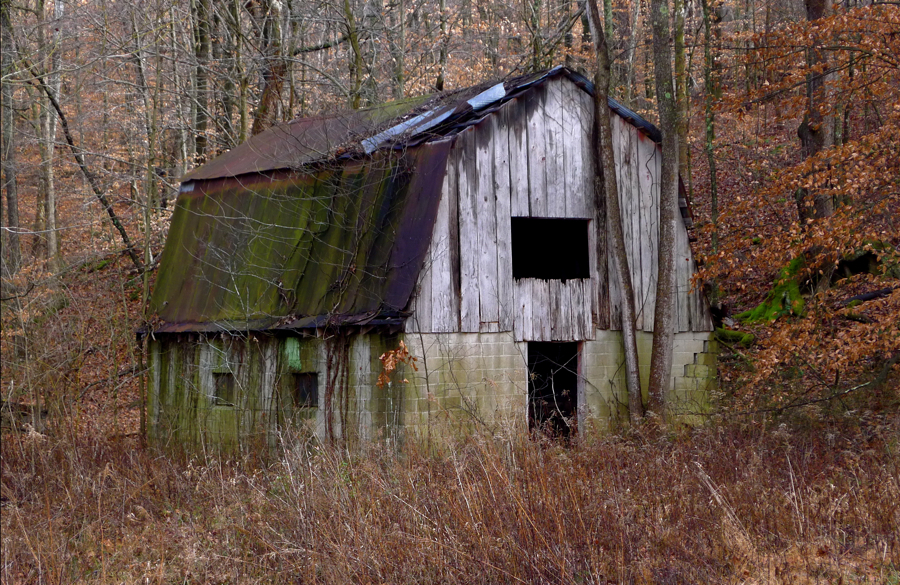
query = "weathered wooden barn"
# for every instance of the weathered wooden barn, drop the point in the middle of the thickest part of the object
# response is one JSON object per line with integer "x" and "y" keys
{"x": 463, "y": 225}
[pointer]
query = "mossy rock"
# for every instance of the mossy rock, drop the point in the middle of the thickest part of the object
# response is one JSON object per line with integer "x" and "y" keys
{"x": 784, "y": 299}
{"x": 739, "y": 337}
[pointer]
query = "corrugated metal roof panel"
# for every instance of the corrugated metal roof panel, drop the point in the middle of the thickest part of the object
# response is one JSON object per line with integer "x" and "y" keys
{"x": 304, "y": 141}
{"x": 346, "y": 241}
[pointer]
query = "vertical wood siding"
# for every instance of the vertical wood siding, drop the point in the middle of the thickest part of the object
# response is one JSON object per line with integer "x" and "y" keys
{"x": 532, "y": 158}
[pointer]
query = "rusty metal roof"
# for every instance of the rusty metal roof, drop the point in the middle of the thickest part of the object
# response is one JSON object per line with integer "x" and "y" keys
{"x": 400, "y": 123}
{"x": 321, "y": 221}
{"x": 269, "y": 250}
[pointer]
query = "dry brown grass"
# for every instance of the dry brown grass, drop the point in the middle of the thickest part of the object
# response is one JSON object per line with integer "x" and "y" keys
{"x": 726, "y": 504}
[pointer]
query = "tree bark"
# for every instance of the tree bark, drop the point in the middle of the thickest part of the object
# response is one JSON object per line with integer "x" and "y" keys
{"x": 201, "y": 76}
{"x": 445, "y": 40}
{"x": 606, "y": 188}
{"x": 681, "y": 94}
{"x": 815, "y": 133}
{"x": 631, "y": 78}
{"x": 709, "y": 78}
{"x": 356, "y": 58}
{"x": 46, "y": 219}
{"x": 275, "y": 71}
{"x": 12, "y": 250}
{"x": 664, "y": 317}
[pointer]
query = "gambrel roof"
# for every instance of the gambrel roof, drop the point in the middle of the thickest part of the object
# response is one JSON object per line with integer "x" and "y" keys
{"x": 322, "y": 220}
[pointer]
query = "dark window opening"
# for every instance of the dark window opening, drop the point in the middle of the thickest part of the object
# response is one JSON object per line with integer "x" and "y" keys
{"x": 553, "y": 387}
{"x": 550, "y": 248}
{"x": 224, "y": 390}
{"x": 306, "y": 390}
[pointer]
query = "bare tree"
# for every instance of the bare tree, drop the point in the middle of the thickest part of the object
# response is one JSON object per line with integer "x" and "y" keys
{"x": 664, "y": 317}
{"x": 815, "y": 133}
{"x": 12, "y": 251}
{"x": 605, "y": 188}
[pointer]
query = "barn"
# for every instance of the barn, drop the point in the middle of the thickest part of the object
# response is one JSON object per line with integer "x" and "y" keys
{"x": 432, "y": 264}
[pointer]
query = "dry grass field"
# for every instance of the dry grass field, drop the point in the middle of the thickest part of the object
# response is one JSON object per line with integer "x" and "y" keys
{"x": 729, "y": 503}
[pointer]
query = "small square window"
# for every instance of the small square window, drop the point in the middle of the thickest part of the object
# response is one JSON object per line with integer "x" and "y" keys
{"x": 306, "y": 390}
{"x": 550, "y": 248}
{"x": 224, "y": 390}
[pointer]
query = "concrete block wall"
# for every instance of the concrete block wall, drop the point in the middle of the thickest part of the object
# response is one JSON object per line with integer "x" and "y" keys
{"x": 467, "y": 379}
{"x": 460, "y": 381}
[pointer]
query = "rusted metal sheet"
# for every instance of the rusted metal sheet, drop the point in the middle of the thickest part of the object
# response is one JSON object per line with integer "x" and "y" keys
{"x": 262, "y": 251}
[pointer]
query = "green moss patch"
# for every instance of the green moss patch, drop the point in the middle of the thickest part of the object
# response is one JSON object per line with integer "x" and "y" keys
{"x": 739, "y": 337}
{"x": 783, "y": 300}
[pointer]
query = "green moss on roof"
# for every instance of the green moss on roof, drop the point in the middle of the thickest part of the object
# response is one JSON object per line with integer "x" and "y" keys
{"x": 347, "y": 239}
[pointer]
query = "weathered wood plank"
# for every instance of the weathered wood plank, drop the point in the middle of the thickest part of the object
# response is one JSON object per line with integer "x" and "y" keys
{"x": 518, "y": 157}
{"x": 587, "y": 320}
{"x": 486, "y": 221}
{"x": 423, "y": 317}
{"x": 557, "y": 319}
{"x": 554, "y": 157}
{"x": 587, "y": 147}
{"x": 704, "y": 320}
{"x": 537, "y": 153}
{"x": 601, "y": 240}
{"x": 441, "y": 285}
{"x": 619, "y": 137}
{"x": 565, "y": 330}
{"x": 518, "y": 313}
{"x": 573, "y": 139}
{"x": 502, "y": 180}
{"x": 581, "y": 307}
{"x": 538, "y": 309}
{"x": 527, "y": 296}
{"x": 615, "y": 292}
{"x": 683, "y": 277}
{"x": 546, "y": 317}
{"x": 592, "y": 287}
{"x": 637, "y": 242}
{"x": 453, "y": 322}
{"x": 571, "y": 309}
{"x": 468, "y": 233}
{"x": 648, "y": 160}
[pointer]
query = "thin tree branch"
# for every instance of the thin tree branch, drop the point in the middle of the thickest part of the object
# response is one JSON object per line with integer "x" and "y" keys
{"x": 321, "y": 46}
{"x": 92, "y": 180}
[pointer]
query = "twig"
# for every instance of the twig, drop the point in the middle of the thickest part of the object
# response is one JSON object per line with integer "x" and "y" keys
{"x": 19, "y": 296}
{"x": 125, "y": 372}
{"x": 92, "y": 180}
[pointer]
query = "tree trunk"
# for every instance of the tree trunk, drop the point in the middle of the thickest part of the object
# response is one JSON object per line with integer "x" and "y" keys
{"x": 49, "y": 127}
{"x": 815, "y": 132}
{"x": 181, "y": 151}
{"x": 664, "y": 319}
{"x": 537, "y": 40}
{"x": 276, "y": 68}
{"x": 356, "y": 58}
{"x": 631, "y": 78}
{"x": 681, "y": 94}
{"x": 12, "y": 250}
{"x": 201, "y": 76}
{"x": 445, "y": 40}
{"x": 150, "y": 185}
{"x": 711, "y": 92}
{"x": 607, "y": 189}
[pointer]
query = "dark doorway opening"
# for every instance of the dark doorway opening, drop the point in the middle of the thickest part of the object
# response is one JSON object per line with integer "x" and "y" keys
{"x": 553, "y": 387}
